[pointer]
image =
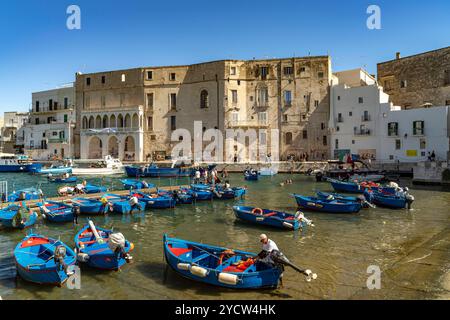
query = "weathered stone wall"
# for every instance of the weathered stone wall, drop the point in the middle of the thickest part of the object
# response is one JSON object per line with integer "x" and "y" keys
{"x": 427, "y": 77}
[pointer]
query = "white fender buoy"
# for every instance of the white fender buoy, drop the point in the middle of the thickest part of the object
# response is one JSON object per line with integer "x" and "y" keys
{"x": 288, "y": 225}
{"x": 228, "y": 278}
{"x": 184, "y": 266}
{"x": 82, "y": 257}
{"x": 199, "y": 271}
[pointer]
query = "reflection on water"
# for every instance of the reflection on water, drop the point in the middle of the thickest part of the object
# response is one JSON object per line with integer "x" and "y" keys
{"x": 339, "y": 248}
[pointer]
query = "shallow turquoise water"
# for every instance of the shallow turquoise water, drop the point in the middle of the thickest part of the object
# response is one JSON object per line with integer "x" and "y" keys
{"x": 339, "y": 248}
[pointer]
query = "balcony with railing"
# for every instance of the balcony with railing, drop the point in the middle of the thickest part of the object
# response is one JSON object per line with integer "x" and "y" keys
{"x": 107, "y": 131}
{"x": 57, "y": 140}
{"x": 46, "y": 110}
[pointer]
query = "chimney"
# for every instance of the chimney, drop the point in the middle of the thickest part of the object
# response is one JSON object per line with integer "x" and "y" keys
{"x": 397, "y": 55}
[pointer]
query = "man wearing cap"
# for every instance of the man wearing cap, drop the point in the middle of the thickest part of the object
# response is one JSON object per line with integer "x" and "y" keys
{"x": 268, "y": 246}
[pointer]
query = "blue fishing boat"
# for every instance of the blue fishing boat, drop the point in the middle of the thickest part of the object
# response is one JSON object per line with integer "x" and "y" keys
{"x": 25, "y": 194}
{"x": 199, "y": 194}
{"x": 102, "y": 248}
{"x": 55, "y": 211}
{"x": 323, "y": 205}
{"x": 344, "y": 186}
{"x": 131, "y": 184}
{"x": 219, "y": 191}
{"x": 251, "y": 175}
{"x": 183, "y": 196}
{"x": 63, "y": 180}
{"x": 216, "y": 266}
{"x": 396, "y": 201}
{"x": 156, "y": 200}
{"x": 54, "y": 170}
{"x": 90, "y": 206}
{"x": 17, "y": 163}
{"x": 268, "y": 217}
{"x": 337, "y": 196}
{"x": 90, "y": 188}
{"x": 122, "y": 204}
{"x": 41, "y": 260}
{"x": 17, "y": 217}
{"x": 154, "y": 171}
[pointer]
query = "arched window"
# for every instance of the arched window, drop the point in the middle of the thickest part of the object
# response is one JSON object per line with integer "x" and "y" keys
{"x": 288, "y": 138}
{"x": 85, "y": 122}
{"x": 91, "y": 122}
{"x": 105, "y": 121}
{"x": 204, "y": 99}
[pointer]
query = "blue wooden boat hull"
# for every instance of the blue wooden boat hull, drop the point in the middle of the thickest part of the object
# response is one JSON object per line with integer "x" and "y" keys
{"x": 324, "y": 195}
{"x": 20, "y": 167}
{"x": 59, "y": 212}
{"x": 155, "y": 172}
{"x": 161, "y": 202}
{"x": 30, "y": 194}
{"x": 89, "y": 206}
{"x": 349, "y": 187}
{"x": 387, "y": 201}
{"x": 63, "y": 180}
{"x": 30, "y": 256}
{"x": 90, "y": 188}
{"x": 281, "y": 220}
{"x": 335, "y": 206}
{"x": 181, "y": 253}
{"x": 56, "y": 171}
{"x": 7, "y": 219}
{"x": 130, "y": 184}
{"x": 121, "y": 204}
{"x": 251, "y": 177}
{"x": 100, "y": 255}
{"x": 221, "y": 194}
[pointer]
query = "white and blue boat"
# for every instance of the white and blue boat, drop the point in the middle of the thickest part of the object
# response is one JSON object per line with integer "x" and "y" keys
{"x": 17, "y": 163}
{"x": 25, "y": 194}
{"x": 53, "y": 169}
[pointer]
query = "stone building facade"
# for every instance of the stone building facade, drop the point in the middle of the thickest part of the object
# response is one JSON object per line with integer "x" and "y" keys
{"x": 419, "y": 80}
{"x": 49, "y": 130}
{"x": 132, "y": 114}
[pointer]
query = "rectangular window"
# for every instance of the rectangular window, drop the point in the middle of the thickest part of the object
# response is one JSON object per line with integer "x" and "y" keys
{"x": 54, "y": 133}
{"x": 233, "y": 71}
{"x": 65, "y": 118}
{"x": 398, "y": 144}
{"x": 123, "y": 77}
{"x": 305, "y": 134}
{"x": 324, "y": 140}
{"x": 366, "y": 116}
{"x": 387, "y": 85}
{"x": 403, "y": 84}
{"x": 340, "y": 118}
{"x": 37, "y": 106}
{"x": 172, "y": 76}
{"x": 447, "y": 102}
{"x": 50, "y": 104}
{"x": 262, "y": 138}
{"x": 446, "y": 77}
{"x": 264, "y": 72}
{"x": 36, "y": 120}
{"x": 66, "y": 102}
{"x": 288, "y": 97}
{"x": 393, "y": 129}
{"x": 285, "y": 117}
{"x": 173, "y": 123}
{"x": 103, "y": 79}
{"x": 320, "y": 75}
{"x": 149, "y": 75}
{"x": 336, "y": 144}
{"x": 322, "y": 126}
{"x": 316, "y": 103}
{"x": 423, "y": 144}
{"x": 173, "y": 101}
{"x": 263, "y": 97}
{"x": 88, "y": 81}
{"x": 360, "y": 100}
{"x": 350, "y": 113}
{"x": 418, "y": 128}
{"x": 262, "y": 118}
{"x": 339, "y": 98}
{"x": 234, "y": 96}
{"x": 150, "y": 100}
{"x": 150, "y": 123}
{"x": 288, "y": 71}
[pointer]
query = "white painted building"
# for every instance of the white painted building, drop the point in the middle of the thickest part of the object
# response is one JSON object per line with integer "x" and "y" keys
{"x": 13, "y": 121}
{"x": 364, "y": 122}
{"x": 49, "y": 131}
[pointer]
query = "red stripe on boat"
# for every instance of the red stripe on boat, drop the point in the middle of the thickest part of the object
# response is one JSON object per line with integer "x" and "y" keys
{"x": 178, "y": 251}
{"x": 34, "y": 241}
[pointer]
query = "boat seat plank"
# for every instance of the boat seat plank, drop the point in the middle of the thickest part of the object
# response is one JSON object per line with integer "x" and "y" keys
{"x": 201, "y": 257}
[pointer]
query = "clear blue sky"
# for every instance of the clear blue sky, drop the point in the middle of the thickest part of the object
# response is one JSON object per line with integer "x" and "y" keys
{"x": 38, "y": 52}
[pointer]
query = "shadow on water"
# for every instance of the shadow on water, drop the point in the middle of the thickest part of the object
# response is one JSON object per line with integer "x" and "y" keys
{"x": 163, "y": 274}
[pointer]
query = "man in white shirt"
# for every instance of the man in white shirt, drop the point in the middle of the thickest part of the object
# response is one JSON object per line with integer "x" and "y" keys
{"x": 267, "y": 244}
{"x": 264, "y": 256}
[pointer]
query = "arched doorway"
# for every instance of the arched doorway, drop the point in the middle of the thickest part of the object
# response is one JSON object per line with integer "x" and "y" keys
{"x": 113, "y": 147}
{"x": 129, "y": 149}
{"x": 95, "y": 148}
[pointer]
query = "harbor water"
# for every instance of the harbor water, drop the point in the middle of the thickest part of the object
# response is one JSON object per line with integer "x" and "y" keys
{"x": 411, "y": 247}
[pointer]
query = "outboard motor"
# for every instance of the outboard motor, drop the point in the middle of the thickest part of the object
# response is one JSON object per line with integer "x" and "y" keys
{"x": 281, "y": 260}
{"x": 319, "y": 176}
